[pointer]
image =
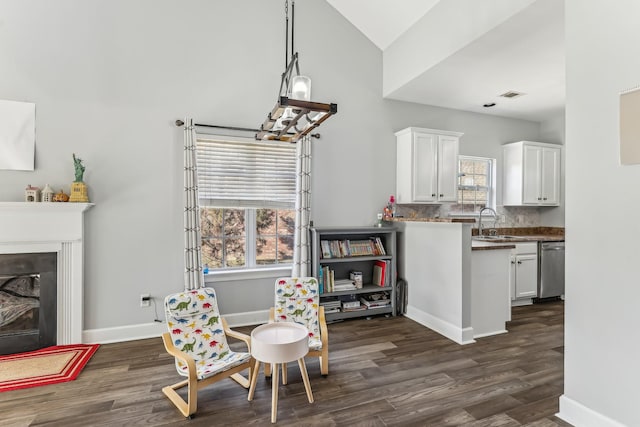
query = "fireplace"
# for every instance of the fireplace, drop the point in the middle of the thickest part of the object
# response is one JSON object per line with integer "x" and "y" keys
{"x": 47, "y": 239}
{"x": 27, "y": 302}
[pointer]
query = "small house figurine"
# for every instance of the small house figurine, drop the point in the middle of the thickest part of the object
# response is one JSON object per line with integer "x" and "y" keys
{"x": 31, "y": 194}
{"x": 47, "y": 194}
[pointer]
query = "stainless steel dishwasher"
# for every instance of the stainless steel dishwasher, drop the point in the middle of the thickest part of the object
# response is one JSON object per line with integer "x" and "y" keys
{"x": 550, "y": 269}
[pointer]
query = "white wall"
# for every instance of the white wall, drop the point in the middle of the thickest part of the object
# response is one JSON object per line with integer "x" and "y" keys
{"x": 602, "y": 349}
{"x": 110, "y": 77}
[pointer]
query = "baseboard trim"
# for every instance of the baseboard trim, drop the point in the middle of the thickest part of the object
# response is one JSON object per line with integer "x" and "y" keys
{"x": 155, "y": 329}
{"x": 123, "y": 333}
{"x": 579, "y": 415}
{"x": 461, "y": 336}
{"x": 490, "y": 334}
{"x": 247, "y": 318}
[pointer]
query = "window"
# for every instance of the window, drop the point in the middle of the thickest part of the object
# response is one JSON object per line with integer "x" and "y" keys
{"x": 476, "y": 184}
{"x": 247, "y": 199}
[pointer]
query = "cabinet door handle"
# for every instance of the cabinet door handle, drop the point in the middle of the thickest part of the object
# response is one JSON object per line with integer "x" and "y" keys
{"x": 539, "y": 198}
{"x": 544, "y": 198}
{"x": 442, "y": 195}
{"x": 513, "y": 262}
{"x": 433, "y": 194}
{"x": 519, "y": 262}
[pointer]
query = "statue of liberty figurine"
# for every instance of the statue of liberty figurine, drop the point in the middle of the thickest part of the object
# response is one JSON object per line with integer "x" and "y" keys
{"x": 78, "y": 187}
{"x": 77, "y": 163}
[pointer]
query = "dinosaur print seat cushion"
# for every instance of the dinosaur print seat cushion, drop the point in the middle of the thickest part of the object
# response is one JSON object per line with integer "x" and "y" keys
{"x": 196, "y": 328}
{"x": 214, "y": 366}
{"x": 297, "y": 301}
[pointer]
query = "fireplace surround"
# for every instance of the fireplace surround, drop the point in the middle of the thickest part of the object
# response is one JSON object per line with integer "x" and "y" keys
{"x": 52, "y": 228}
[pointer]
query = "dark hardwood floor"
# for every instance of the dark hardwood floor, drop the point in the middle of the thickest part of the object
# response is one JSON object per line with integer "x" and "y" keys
{"x": 383, "y": 371}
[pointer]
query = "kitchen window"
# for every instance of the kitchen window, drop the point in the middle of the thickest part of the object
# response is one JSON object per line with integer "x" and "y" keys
{"x": 476, "y": 185}
{"x": 247, "y": 198}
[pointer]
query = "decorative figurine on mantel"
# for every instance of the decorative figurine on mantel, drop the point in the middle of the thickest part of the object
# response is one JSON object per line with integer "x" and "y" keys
{"x": 78, "y": 187}
{"x": 31, "y": 194}
{"x": 48, "y": 193}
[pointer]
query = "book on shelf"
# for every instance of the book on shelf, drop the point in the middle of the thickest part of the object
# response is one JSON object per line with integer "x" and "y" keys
{"x": 381, "y": 273}
{"x": 331, "y": 302}
{"x": 377, "y": 277}
{"x": 358, "y": 308}
{"x": 343, "y": 285}
{"x": 326, "y": 250}
{"x": 375, "y": 303}
{"x": 350, "y": 304}
{"x": 378, "y": 299}
{"x": 351, "y": 248}
{"x": 331, "y": 310}
{"x": 327, "y": 281}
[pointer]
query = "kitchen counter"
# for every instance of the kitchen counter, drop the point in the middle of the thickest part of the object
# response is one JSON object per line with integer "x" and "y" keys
{"x": 518, "y": 239}
{"x": 459, "y": 286}
{"x": 481, "y": 245}
{"x": 447, "y": 220}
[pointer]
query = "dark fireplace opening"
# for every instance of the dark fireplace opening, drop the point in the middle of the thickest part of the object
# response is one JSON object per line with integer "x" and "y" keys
{"x": 28, "y": 306}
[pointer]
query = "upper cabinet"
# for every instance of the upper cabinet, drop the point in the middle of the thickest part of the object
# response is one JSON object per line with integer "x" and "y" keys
{"x": 531, "y": 174}
{"x": 426, "y": 165}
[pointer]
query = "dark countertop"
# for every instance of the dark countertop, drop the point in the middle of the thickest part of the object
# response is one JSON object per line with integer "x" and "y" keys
{"x": 449, "y": 220}
{"x": 475, "y": 246}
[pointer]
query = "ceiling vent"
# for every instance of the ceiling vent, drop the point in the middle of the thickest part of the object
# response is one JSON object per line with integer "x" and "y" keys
{"x": 511, "y": 94}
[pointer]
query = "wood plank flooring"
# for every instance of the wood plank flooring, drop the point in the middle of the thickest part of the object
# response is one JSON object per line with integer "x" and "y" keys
{"x": 383, "y": 372}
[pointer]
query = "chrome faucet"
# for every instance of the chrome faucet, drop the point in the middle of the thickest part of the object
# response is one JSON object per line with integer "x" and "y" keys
{"x": 493, "y": 212}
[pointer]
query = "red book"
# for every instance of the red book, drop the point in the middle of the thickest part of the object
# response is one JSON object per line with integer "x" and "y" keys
{"x": 379, "y": 273}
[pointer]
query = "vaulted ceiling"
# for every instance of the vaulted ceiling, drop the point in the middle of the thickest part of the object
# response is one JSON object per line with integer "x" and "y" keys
{"x": 463, "y": 54}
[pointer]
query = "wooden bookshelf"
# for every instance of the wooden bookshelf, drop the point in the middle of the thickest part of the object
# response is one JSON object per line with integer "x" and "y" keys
{"x": 343, "y": 263}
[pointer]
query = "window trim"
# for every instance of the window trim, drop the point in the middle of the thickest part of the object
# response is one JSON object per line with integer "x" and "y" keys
{"x": 237, "y": 274}
{"x": 250, "y": 255}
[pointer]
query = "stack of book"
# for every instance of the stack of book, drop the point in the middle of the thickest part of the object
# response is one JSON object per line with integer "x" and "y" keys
{"x": 376, "y": 300}
{"x": 352, "y": 306}
{"x": 331, "y": 305}
{"x": 343, "y": 285}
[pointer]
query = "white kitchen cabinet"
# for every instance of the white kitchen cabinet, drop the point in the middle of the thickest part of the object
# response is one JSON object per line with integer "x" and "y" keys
{"x": 524, "y": 273}
{"x": 426, "y": 165}
{"x": 531, "y": 174}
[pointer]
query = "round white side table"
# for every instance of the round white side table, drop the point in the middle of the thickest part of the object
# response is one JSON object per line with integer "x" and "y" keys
{"x": 279, "y": 343}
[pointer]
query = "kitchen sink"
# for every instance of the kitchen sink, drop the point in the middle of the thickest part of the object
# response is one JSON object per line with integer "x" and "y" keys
{"x": 498, "y": 237}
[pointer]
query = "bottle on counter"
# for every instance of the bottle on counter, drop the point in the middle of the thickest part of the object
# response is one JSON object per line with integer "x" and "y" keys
{"x": 392, "y": 206}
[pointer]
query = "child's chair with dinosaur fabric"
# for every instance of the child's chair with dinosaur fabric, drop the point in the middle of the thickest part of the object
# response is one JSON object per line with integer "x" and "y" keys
{"x": 297, "y": 300}
{"x": 197, "y": 338}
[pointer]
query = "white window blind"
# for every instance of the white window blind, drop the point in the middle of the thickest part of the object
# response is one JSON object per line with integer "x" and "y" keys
{"x": 246, "y": 173}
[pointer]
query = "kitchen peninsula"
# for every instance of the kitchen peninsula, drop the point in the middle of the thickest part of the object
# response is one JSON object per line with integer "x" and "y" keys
{"x": 460, "y": 285}
{"x": 456, "y": 291}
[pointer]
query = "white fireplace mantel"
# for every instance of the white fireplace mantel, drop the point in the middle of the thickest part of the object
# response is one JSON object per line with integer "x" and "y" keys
{"x": 27, "y": 227}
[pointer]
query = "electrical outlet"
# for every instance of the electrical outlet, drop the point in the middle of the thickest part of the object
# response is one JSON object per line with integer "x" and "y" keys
{"x": 145, "y": 300}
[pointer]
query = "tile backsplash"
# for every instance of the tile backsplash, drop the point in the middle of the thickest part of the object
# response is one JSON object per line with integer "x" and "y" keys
{"x": 513, "y": 216}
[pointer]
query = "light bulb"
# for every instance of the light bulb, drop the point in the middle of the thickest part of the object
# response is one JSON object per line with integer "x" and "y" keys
{"x": 301, "y": 88}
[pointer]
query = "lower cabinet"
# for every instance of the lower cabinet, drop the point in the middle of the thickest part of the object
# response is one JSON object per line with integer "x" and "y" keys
{"x": 524, "y": 273}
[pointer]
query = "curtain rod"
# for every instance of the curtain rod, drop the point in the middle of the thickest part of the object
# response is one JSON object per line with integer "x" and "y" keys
{"x": 180, "y": 123}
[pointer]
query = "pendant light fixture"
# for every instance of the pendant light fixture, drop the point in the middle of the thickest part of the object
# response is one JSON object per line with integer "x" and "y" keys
{"x": 294, "y": 114}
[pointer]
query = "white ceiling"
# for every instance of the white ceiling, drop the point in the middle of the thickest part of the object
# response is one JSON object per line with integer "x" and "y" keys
{"x": 524, "y": 53}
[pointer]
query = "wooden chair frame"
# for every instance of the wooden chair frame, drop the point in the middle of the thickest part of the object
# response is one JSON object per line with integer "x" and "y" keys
{"x": 189, "y": 407}
{"x": 322, "y": 354}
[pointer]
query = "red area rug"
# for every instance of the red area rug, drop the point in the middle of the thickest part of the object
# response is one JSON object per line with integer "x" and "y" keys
{"x": 49, "y": 365}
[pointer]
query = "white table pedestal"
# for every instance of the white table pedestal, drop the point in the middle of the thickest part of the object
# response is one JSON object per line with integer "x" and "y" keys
{"x": 279, "y": 343}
